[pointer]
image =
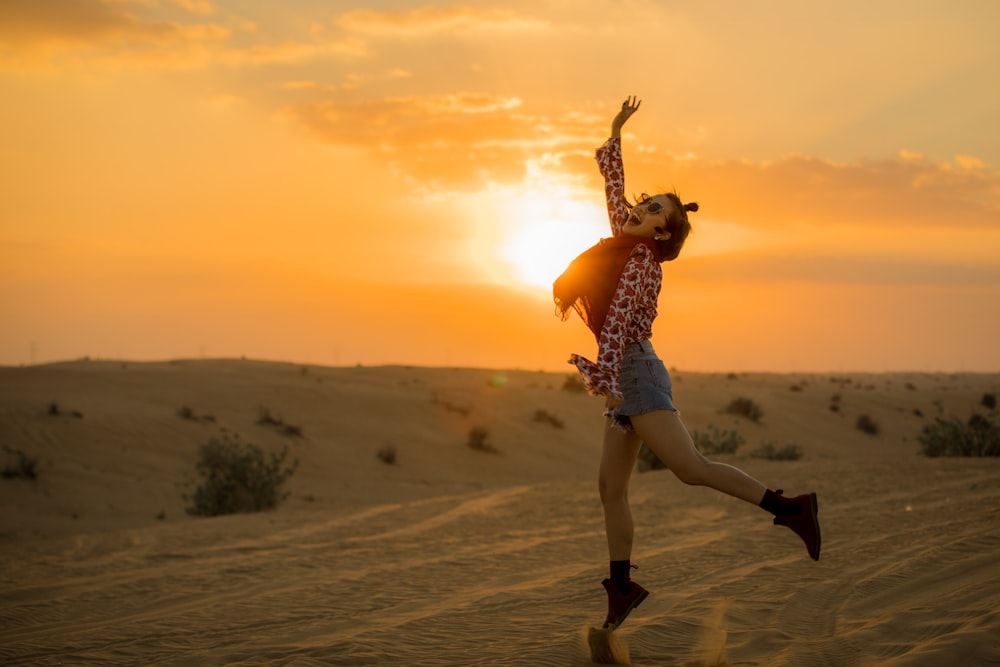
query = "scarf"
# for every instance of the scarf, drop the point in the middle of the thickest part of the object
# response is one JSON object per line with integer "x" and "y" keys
{"x": 589, "y": 282}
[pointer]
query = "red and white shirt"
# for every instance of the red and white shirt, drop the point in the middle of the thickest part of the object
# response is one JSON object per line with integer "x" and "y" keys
{"x": 633, "y": 307}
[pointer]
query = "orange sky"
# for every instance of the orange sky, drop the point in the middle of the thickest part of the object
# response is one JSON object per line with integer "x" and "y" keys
{"x": 400, "y": 182}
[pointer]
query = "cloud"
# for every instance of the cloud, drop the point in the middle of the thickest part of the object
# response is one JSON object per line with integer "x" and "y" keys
{"x": 117, "y": 33}
{"x": 195, "y": 6}
{"x": 57, "y": 32}
{"x": 77, "y": 21}
{"x": 289, "y": 52}
{"x": 463, "y": 139}
{"x": 433, "y": 21}
{"x": 908, "y": 192}
{"x": 767, "y": 267}
{"x": 458, "y": 140}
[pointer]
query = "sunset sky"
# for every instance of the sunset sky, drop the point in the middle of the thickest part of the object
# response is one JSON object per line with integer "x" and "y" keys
{"x": 400, "y": 182}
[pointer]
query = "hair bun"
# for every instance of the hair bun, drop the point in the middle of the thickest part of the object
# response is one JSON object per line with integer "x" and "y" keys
{"x": 693, "y": 206}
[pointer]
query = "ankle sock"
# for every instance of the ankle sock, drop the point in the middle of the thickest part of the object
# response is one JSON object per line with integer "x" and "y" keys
{"x": 620, "y": 575}
{"x": 778, "y": 505}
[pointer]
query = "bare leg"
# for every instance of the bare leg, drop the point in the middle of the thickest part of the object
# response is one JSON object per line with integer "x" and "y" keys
{"x": 665, "y": 434}
{"x": 617, "y": 461}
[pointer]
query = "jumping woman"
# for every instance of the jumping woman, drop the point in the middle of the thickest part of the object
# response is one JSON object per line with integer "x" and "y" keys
{"x": 614, "y": 287}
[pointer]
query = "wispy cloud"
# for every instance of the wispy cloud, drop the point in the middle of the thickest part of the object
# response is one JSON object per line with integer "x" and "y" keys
{"x": 26, "y": 22}
{"x": 907, "y": 192}
{"x": 433, "y": 21}
{"x": 458, "y": 140}
{"x": 137, "y": 33}
{"x": 52, "y": 33}
{"x": 203, "y": 7}
{"x": 841, "y": 269}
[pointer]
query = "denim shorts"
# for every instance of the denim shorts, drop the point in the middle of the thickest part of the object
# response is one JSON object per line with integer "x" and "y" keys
{"x": 644, "y": 382}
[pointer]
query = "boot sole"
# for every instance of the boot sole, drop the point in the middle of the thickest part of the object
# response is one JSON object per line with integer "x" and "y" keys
{"x": 635, "y": 603}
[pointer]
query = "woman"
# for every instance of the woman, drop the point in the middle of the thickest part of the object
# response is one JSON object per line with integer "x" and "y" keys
{"x": 614, "y": 287}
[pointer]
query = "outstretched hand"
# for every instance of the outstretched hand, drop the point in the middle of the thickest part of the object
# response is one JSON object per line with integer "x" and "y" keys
{"x": 629, "y": 107}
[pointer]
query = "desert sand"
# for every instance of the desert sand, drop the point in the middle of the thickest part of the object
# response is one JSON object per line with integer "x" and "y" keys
{"x": 458, "y": 556}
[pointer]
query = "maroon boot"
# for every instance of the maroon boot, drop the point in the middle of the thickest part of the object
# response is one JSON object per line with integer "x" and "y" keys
{"x": 799, "y": 514}
{"x": 621, "y": 603}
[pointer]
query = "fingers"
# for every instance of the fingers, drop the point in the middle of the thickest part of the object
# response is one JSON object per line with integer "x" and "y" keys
{"x": 631, "y": 103}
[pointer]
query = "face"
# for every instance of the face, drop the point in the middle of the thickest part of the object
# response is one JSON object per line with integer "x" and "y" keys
{"x": 649, "y": 217}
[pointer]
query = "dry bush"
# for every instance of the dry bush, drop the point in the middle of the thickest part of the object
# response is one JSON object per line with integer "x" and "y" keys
{"x": 715, "y": 440}
{"x": 648, "y": 460}
{"x": 867, "y": 425}
{"x": 387, "y": 454}
{"x": 478, "y": 437}
{"x": 772, "y": 452}
{"x": 545, "y": 417}
{"x": 745, "y": 407}
{"x": 19, "y": 465}
{"x": 236, "y": 477}
{"x": 979, "y": 436}
{"x": 265, "y": 418}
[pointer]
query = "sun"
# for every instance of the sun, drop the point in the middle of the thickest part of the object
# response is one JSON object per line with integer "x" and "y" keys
{"x": 546, "y": 230}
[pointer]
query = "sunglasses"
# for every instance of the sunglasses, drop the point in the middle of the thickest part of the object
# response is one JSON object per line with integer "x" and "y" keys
{"x": 652, "y": 207}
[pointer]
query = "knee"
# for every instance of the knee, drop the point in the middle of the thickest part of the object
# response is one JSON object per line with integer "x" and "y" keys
{"x": 612, "y": 491}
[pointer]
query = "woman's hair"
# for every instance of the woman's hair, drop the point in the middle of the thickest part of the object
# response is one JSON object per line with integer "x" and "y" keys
{"x": 677, "y": 225}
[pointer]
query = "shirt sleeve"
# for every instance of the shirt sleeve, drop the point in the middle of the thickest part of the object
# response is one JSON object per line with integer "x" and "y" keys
{"x": 602, "y": 378}
{"x": 609, "y": 162}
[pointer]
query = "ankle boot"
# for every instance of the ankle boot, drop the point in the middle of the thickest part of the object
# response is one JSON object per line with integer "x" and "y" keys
{"x": 621, "y": 604}
{"x": 799, "y": 514}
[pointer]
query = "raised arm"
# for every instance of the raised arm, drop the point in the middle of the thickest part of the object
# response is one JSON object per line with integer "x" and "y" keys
{"x": 629, "y": 107}
{"x": 609, "y": 161}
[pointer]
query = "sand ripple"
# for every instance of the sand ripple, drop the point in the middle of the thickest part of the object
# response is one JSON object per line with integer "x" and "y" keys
{"x": 511, "y": 577}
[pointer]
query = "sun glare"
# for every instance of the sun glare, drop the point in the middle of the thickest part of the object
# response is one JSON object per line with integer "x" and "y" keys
{"x": 547, "y": 229}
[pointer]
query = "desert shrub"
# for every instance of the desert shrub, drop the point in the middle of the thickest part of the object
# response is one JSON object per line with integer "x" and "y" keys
{"x": 715, "y": 440}
{"x": 184, "y": 412}
{"x": 55, "y": 411}
{"x": 450, "y": 407}
{"x": 745, "y": 407}
{"x": 648, "y": 460}
{"x": 979, "y": 436}
{"x": 265, "y": 418}
{"x": 866, "y": 424}
{"x": 989, "y": 401}
{"x": 548, "y": 418}
{"x": 478, "y": 437}
{"x": 237, "y": 477}
{"x": 19, "y": 465}
{"x": 573, "y": 383}
{"x": 387, "y": 455}
{"x": 772, "y": 452}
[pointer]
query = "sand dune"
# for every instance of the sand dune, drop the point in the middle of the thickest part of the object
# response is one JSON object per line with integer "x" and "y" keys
{"x": 460, "y": 557}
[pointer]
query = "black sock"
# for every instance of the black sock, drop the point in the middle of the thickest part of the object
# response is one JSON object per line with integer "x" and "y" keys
{"x": 620, "y": 574}
{"x": 778, "y": 505}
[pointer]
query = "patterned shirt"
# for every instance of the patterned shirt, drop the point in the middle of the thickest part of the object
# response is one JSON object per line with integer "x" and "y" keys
{"x": 633, "y": 307}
